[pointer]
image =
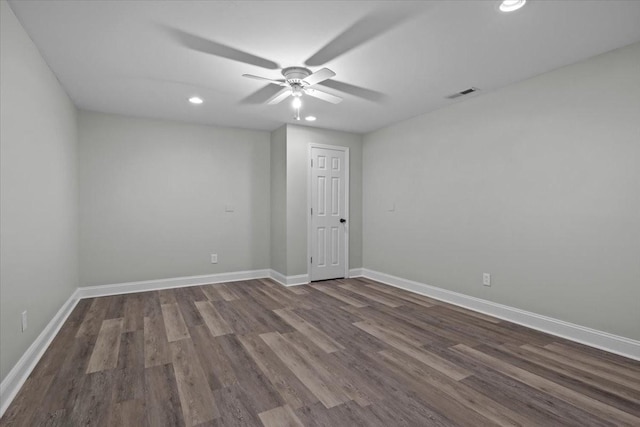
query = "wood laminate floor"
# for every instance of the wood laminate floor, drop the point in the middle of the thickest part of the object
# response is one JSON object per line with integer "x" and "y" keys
{"x": 338, "y": 353}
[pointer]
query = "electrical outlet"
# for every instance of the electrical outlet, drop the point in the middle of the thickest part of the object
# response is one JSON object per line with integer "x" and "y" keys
{"x": 24, "y": 320}
{"x": 486, "y": 279}
{"x": 214, "y": 258}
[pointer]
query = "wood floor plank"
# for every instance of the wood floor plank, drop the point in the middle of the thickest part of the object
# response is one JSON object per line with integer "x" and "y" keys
{"x": 422, "y": 355}
{"x": 27, "y": 404}
{"x": 213, "y": 360}
{"x": 281, "y": 416}
{"x": 388, "y": 336}
{"x": 599, "y": 371}
{"x": 211, "y": 293}
{"x": 298, "y": 290}
{"x": 186, "y": 300}
{"x": 152, "y": 305}
{"x": 596, "y": 363}
{"x": 162, "y": 401}
{"x": 227, "y": 292}
{"x": 288, "y": 385}
{"x": 105, "y": 351}
{"x": 128, "y": 384}
{"x": 259, "y": 318}
{"x": 315, "y": 378}
{"x": 334, "y": 292}
{"x": 234, "y": 408}
{"x": 134, "y": 313}
{"x": 410, "y": 297}
{"x": 116, "y": 307}
{"x": 488, "y": 408}
{"x": 196, "y": 398}
{"x": 285, "y": 295}
{"x": 620, "y": 397}
{"x": 129, "y": 413}
{"x": 531, "y": 354}
{"x": 263, "y": 395}
{"x": 174, "y": 322}
{"x": 571, "y": 396}
{"x": 216, "y": 324}
{"x": 344, "y": 352}
{"x": 131, "y": 353}
{"x": 69, "y": 380}
{"x": 336, "y": 372}
{"x": 91, "y": 408}
{"x": 314, "y": 334}
{"x": 167, "y": 296}
{"x": 433, "y": 396}
{"x": 156, "y": 343}
{"x": 94, "y": 317}
{"x": 372, "y": 295}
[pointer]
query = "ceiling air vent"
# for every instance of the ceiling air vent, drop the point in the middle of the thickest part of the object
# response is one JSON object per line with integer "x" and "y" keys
{"x": 463, "y": 93}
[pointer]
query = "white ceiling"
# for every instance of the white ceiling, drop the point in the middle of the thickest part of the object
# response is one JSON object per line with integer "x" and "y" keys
{"x": 138, "y": 57}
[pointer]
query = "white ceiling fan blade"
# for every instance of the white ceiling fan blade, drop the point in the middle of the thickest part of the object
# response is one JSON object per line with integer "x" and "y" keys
{"x": 319, "y": 76}
{"x": 275, "y": 82}
{"x": 323, "y": 95}
{"x": 280, "y": 96}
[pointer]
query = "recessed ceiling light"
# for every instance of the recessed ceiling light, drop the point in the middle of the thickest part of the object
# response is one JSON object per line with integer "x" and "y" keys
{"x": 196, "y": 100}
{"x": 511, "y": 5}
{"x": 310, "y": 118}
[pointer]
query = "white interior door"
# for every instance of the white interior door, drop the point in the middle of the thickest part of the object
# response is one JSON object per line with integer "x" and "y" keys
{"x": 329, "y": 212}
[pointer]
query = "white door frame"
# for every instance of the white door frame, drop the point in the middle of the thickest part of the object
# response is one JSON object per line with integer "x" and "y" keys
{"x": 346, "y": 207}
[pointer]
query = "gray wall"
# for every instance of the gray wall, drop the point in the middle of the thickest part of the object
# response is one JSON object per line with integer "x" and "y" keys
{"x": 38, "y": 188}
{"x": 537, "y": 184}
{"x": 153, "y": 196}
{"x": 279, "y": 200}
{"x": 298, "y": 139}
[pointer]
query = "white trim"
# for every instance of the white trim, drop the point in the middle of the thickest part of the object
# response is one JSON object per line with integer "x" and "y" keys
{"x": 346, "y": 207}
{"x": 356, "y": 272}
{"x": 16, "y": 377}
{"x": 176, "y": 282}
{"x": 603, "y": 340}
{"x": 300, "y": 279}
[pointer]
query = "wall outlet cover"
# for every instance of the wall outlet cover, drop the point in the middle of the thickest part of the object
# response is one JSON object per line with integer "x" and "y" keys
{"x": 214, "y": 258}
{"x": 486, "y": 279}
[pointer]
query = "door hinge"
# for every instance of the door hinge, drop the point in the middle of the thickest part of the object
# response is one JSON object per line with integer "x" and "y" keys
{"x": 311, "y": 211}
{"x": 311, "y": 260}
{"x": 311, "y": 162}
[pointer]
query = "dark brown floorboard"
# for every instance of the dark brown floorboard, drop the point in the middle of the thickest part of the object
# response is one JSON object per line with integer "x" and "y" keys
{"x": 338, "y": 353}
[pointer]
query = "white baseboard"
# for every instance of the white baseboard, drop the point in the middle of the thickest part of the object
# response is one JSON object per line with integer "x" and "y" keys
{"x": 300, "y": 279}
{"x": 303, "y": 279}
{"x": 356, "y": 272}
{"x": 176, "y": 282}
{"x": 16, "y": 377}
{"x": 591, "y": 337}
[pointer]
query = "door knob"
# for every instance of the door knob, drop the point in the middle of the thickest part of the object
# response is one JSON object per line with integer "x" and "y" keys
{"x": 342, "y": 220}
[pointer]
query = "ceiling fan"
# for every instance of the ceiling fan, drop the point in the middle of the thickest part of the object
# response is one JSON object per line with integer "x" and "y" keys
{"x": 298, "y": 81}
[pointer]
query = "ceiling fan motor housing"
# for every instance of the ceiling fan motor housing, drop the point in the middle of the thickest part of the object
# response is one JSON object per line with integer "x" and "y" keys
{"x": 295, "y": 75}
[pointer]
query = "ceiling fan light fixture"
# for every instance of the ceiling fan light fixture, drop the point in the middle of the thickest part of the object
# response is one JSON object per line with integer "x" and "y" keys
{"x": 196, "y": 100}
{"x": 511, "y": 5}
{"x": 297, "y": 102}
